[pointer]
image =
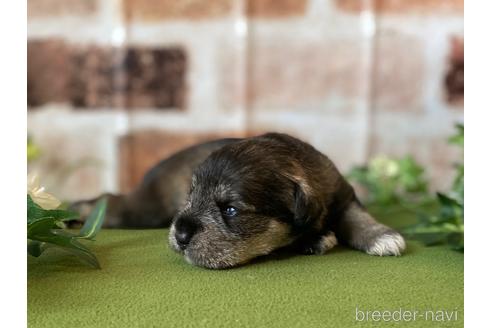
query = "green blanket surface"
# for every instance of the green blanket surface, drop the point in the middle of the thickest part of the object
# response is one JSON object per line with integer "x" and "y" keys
{"x": 143, "y": 283}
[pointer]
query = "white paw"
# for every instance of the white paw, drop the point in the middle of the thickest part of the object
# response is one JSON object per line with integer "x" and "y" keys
{"x": 388, "y": 244}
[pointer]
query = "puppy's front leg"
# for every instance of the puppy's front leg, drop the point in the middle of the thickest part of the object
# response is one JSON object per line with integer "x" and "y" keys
{"x": 357, "y": 228}
{"x": 319, "y": 245}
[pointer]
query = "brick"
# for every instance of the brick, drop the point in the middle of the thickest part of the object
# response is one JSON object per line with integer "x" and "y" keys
{"x": 145, "y": 78}
{"x": 454, "y": 81}
{"x": 156, "y": 10}
{"x": 91, "y": 83}
{"x": 140, "y": 151}
{"x": 156, "y": 77}
{"x": 94, "y": 77}
{"x": 63, "y": 73}
{"x": 53, "y": 8}
{"x": 399, "y": 74}
{"x": 276, "y": 8}
{"x": 48, "y": 72}
{"x": 404, "y": 6}
{"x": 297, "y": 74}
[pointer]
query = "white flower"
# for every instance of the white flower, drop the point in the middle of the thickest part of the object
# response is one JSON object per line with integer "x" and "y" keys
{"x": 38, "y": 195}
{"x": 384, "y": 167}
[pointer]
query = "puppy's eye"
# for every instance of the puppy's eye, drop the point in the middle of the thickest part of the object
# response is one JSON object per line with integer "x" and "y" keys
{"x": 229, "y": 211}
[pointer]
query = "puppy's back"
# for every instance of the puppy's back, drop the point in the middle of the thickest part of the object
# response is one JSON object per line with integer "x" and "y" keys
{"x": 160, "y": 194}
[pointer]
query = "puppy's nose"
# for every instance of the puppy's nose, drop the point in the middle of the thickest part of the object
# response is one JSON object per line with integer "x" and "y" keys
{"x": 183, "y": 238}
{"x": 185, "y": 229}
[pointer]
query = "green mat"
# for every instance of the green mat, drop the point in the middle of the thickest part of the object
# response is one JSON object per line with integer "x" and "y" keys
{"x": 144, "y": 284}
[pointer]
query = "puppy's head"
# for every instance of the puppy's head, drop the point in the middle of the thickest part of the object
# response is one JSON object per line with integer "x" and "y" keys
{"x": 244, "y": 202}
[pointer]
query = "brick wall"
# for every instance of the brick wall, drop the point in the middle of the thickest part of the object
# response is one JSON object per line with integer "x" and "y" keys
{"x": 115, "y": 85}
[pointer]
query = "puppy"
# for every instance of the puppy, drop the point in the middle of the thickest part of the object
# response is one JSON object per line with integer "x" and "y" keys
{"x": 259, "y": 194}
{"x": 235, "y": 199}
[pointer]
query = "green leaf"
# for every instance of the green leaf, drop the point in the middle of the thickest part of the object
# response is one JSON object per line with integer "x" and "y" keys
{"x": 41, "y": 227}
{"x": 63, "y": 232}
{"x": 35, "y": 248}
{"x": 43, "y": 232}
{"x": 451, "y": 210}
{"x": 412, "y": 176}
{"x": 83, "y": 254}
{"x": 459, "y": 137}
{"x": 95, "y": 220}
{"x": 445, "y": 200}
{"x": 36, "y": 212}
{"x": 459, "y": 183}
{"x": 74, "y": 246}
{"x": 70, "y": 244}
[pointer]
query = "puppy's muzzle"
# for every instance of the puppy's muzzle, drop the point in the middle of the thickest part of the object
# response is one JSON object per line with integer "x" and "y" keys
{"x": 186, "y": 228}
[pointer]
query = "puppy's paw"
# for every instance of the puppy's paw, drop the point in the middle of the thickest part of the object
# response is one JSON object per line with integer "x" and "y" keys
{"x": 388, "y": 244}
{"x": 321, "y": 245}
